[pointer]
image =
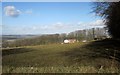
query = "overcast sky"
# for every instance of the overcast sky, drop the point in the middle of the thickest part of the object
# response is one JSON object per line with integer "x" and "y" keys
{"x": 47, "y": 17}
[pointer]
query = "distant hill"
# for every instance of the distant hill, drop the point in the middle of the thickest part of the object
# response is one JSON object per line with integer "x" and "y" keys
{"x": 13, "y": 37}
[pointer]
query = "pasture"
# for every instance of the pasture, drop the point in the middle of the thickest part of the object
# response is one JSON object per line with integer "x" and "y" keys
{"x": 90, "y": 57}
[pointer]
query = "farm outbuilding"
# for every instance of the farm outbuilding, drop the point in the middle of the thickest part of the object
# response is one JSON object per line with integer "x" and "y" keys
{"x": 70, "y": 40}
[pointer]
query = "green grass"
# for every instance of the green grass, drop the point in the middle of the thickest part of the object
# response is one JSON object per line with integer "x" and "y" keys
{"x": 61, "y": 58}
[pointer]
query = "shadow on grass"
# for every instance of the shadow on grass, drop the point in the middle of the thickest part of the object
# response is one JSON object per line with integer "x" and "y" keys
{"x": 97, "y": 52}
{"x": 15, "y": 51}
{"x": 108, "y": 48}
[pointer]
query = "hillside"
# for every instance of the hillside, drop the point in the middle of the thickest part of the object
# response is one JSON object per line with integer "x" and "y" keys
{"x": 90, "y": 57}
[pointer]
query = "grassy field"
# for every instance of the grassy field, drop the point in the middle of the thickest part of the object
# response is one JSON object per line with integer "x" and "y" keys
{"x": 91, "y": 57}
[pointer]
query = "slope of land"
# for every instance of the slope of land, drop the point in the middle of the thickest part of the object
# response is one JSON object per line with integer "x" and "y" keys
{"x": 90, "y": 57}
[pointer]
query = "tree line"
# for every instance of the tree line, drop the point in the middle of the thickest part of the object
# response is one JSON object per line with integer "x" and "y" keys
{"x": 79, "y": 35}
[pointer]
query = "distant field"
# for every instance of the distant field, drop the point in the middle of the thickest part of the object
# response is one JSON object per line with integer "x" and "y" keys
{"x": 62, "y": 58}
